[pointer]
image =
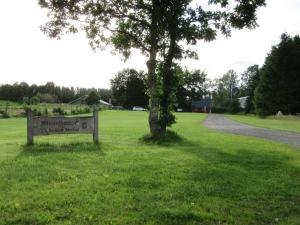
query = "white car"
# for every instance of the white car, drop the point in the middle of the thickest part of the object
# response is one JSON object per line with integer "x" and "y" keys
{"x": 138, "y": 108}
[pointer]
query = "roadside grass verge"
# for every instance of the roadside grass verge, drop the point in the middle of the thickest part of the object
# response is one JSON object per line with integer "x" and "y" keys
{"x": 190, "y": 176}
{"x": 285, "y": 123}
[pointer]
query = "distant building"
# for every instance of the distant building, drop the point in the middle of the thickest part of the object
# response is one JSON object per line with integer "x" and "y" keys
{"x": 79, "y": 101}
{"x": 82, "y": 100}
{"x": 203, "y": 105}
{"x": 243, "y": 101}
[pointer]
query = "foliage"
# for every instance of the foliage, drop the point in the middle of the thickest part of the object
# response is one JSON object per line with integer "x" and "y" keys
{"x": 279, "y": 85}
{"x": 93, "y": 98}
{"x": 155, "y": 27}
{"x": 168, "y": 87}
{"x": 77, "y": 110}
{"x": 47, "y": 98}
{"x": 50, "y": 93}
{"x": 219, "y": 109}
{"x": 59, "y": 111}
{"x": 226, "y": 91}
{"x": 34, "y": 100}
{"x": 25, "y": 101}
{"x": 234, "y": 106}
{"x": 203, "y": 177}
{"x": 35, "y": 111}
{"x": 4, "y": 114}
{"x": 193, "y": 85}
{"x": 184, "y": 22}
{"x": 129, "y": 89}
{"x": 250, "y": 79}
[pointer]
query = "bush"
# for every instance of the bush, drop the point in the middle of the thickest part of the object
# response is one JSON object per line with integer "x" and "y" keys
{"x": 35, "y": 111}
{"x": 59, "y": 111}
{"x": 4, "y": 114}
{"x": 80, "y": 111}
{"x": 34, "y": 100}
{"x": 47, "y": 98}
{"x": 46, "y": 113}
{"x": 26, "y": 100}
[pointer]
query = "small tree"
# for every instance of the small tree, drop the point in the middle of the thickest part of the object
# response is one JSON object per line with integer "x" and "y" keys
{"x": 192, "y": 86}
{"x": 129, "y": 88}
{"x": 93, "y": 98}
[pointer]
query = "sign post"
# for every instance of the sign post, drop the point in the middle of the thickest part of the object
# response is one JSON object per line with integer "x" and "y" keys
{"x": 45, "y": 125}
{"x": 95, "y": 133}
{"x": 29, "y": 133}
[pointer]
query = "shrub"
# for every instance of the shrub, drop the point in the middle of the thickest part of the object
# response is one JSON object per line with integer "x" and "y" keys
{"x": 34, "y": 100}
{"x": 4, "y": 114}
{"x": 80, "y": 111}
{"x": 26, "y": 100}
{"x": 59, "y": 111}
{"x": 46, "y": 113}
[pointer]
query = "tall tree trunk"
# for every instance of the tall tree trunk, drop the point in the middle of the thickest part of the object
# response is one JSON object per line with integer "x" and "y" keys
{"x": 153, "y": 120}
{"x": 166, "y": 117}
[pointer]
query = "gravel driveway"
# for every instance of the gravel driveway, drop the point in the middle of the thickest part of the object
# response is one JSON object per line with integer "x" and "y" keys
{"x": 220, "y": 123}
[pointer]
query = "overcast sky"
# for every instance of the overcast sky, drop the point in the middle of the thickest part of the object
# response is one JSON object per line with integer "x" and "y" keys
{"x": 26, "y": 54}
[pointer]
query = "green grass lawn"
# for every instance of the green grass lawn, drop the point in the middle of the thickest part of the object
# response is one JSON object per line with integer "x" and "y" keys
{"x": 195, "y": 177}
{"x": 286, "y": 123}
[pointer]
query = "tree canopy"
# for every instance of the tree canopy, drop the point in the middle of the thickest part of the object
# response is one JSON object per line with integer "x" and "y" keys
{"x": 92, "y": 98}
{"x": 250, "y": 79}
{"x": 161, "y": 29}
{"x": 279, "y": 85}
{"x": 129, "y": 89}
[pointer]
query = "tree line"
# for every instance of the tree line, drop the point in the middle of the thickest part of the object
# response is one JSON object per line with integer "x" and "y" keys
{"x": 272, "y": 88}
{"x": 49, "y": 93}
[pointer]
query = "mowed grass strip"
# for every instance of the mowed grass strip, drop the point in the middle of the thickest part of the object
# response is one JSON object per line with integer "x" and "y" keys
{"x": 190, "y": 176}
{"x": 285, "y": 123}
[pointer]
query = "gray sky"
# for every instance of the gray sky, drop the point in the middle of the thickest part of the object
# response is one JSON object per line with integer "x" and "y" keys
{"x": 26, "y": 54}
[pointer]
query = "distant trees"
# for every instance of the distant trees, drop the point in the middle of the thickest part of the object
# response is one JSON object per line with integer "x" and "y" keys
{"x": 49, "y": 93}
{"x": 92, "y": 98}
{"x": 249, "y": 81}
{"x": 226, "y": 91}
{"x": 279, "y": 85}
{"x": 129, "y": 89}
{"x": 192, "y": 86}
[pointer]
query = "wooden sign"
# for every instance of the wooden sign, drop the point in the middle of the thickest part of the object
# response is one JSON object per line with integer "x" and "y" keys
{"x": 40, "y": 125}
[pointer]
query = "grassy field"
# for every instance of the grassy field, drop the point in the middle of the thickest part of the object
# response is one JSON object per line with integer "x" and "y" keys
{"x": 193, "y": 176}
{"x": 286, "y": 123}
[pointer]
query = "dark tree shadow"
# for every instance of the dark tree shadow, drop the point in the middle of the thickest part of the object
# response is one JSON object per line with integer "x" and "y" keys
{"x": 166, "y": 139}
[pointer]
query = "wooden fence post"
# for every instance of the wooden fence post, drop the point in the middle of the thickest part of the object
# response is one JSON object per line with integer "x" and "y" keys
{"x": 96, "y": 127}
{"x": 29, "y": 130}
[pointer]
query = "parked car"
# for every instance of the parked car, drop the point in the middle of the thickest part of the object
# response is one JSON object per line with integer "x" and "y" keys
{"x": 118, "y": 108}
{"x": 138, "y": 108}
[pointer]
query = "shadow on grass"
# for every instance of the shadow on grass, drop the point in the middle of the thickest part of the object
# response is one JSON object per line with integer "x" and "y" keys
{"x": 69, "y": 147}
{"x": 166, "y": 139}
